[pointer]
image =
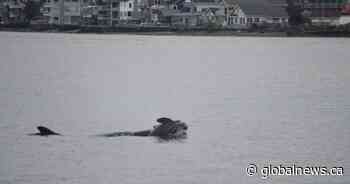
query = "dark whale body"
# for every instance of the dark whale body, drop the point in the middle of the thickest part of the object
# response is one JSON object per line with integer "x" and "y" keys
{"x": 43, "y": 131}
{"x": 168, "y": 129}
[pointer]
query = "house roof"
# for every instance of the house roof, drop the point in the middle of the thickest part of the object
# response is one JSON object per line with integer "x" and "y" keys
{"x": 278, "y": 2}
{"x": 254, "y": 7}
{"x": 261, "y": 7}
{"x": 204, "y": 1}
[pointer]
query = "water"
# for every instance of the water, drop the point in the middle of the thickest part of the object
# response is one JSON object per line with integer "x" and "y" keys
{"x": 246, "y": 100}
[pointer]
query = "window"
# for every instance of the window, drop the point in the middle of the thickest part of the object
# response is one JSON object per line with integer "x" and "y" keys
{"x": 115, "y": 14}
{"x": 75, "y": 19}
{"x": 242, "y": 20}
{"x": 115, "y": 4}
{"x": 250, "y": 20}
{"x": 130, "y": 5}
{"x": 275, "y": 19}
{"x": 256, "y": 20}
{"x": 236, "y": 20}
{"x": 129, "y": 13}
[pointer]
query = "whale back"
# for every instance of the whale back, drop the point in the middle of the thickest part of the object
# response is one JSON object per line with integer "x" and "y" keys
{"x": 173, "y": 129}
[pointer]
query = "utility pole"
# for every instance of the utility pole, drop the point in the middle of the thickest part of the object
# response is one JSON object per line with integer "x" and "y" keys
{"x": 111, "y": 13}
{"x": 61, "y": 7}
{"x": 80, "y": 13}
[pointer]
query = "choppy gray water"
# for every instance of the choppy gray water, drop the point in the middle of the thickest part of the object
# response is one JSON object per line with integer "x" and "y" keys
{"x": 246, "y": 100}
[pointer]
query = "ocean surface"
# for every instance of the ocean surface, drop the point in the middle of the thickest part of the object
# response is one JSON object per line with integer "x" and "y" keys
{"x": 247, "y": 100}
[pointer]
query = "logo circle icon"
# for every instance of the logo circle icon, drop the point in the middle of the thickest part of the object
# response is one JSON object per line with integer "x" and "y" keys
{"x": 252, "y": 169}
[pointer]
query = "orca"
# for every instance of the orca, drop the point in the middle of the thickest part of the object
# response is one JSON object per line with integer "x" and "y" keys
{"x": 44, "y": 131}
{"x": 168, "y": 129}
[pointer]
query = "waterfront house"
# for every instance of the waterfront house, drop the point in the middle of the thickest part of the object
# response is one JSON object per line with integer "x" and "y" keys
{"x": 243, "y": 14}
{"x": 2, "y": 12}
{"x": 182, "y": 14}
{"x": 89, "y": 14}
{"x": 345, "y": 14}
{"x": 12, "y": 11}
{"x": 63, "y": 12}
{"x": 325, "y": 11}
{"x": 235, "y": 14}
{"x": 127, "y": 10}
{"x": 104, "y": 12}
{"x": 212, "y": 12}
{"x": 160, "y": 11}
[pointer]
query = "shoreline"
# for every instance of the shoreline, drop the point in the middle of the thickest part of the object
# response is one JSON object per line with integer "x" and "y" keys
{"x": 153, "y": 33}
{"x": 166, "y": 31}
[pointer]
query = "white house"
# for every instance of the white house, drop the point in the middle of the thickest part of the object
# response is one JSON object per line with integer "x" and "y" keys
{"x": 126, "y": 9}
{"x": 63, "y": 12}
{"x": 131, "y": 10}
{"x": 211, "y": 11}
{"x": 239, "y": 14}
{"x": 244, "y": 13}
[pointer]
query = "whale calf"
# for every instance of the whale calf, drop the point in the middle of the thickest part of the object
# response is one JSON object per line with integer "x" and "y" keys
{"x": 43, "y": 131}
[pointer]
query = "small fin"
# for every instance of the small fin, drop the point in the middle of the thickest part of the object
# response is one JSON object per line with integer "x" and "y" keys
{"x": 43, "y": 131}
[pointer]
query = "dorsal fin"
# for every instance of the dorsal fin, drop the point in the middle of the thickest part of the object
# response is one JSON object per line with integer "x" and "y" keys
{"x": 45, "y": 131}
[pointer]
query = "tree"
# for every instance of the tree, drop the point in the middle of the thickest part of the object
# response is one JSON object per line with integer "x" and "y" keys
{"x": 296, "y": 14}
{"x": 31, "y": 10}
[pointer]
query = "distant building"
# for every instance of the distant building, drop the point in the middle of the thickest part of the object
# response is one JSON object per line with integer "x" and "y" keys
{"x": 238, "y": 14}
{"x": 324, "y": 11}
{"x": 89, "y": 14}
{"x": 2, "y": 12}
{"x": 111, "y": 12}
{"x": 63, "y": 12}
{"x": 159, "y": 11}
{"x": 114, "y": 12}
{"x": 245, "y": 13}
{"x": 324, "y": 8}
{"x": 345, "y": 14}
{"x": 127, "y": 9}
{"x": 11, "y": 11}
{"x": 184, "y": 14}
{"x": 108, "y": 12}
{"x": 212, "y": 12}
